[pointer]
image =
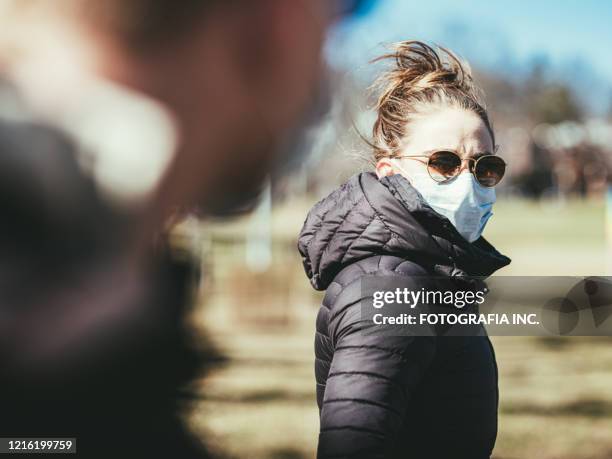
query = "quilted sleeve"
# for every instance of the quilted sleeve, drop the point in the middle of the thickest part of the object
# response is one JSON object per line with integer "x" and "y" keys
{"x": 370, "y": 384}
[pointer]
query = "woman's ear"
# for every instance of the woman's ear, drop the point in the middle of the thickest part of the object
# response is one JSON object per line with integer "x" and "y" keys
{"x": 385, "y": 167}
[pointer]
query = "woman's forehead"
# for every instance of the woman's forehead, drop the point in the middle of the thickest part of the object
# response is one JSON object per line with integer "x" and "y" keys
{"x": 449, "y": 128}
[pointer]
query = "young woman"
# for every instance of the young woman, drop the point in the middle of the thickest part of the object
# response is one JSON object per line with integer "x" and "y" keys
{"x": 421, "y": 213}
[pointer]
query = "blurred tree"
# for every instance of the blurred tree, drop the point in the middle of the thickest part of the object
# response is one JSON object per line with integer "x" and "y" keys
{"x": 554, "y": 104}
{"x": 547, "y": 101}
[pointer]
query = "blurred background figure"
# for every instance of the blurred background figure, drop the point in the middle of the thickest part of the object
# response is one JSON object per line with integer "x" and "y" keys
{"x": 116, "y": 119}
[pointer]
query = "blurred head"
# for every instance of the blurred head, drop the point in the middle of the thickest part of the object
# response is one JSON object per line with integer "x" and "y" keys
{"x": 237, "y": 76}
{"x": 428, "y": 103}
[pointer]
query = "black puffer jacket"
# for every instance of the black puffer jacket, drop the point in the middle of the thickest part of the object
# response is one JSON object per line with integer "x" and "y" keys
{"x": 409, "y": 397}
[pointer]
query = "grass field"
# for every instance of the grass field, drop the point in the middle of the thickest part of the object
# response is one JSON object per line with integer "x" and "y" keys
{"x": 556, "y": 393}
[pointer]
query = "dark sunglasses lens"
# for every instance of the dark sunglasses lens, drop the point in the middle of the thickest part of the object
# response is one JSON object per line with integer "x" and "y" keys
{"x": 489, "y": 170}
{"x": 443, "y": 165}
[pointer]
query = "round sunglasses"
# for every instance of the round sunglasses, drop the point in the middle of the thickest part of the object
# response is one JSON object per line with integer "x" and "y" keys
{"x": 444, "y": 165}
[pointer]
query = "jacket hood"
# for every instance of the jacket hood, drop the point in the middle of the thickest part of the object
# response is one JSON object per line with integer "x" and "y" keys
{"x": 367, "y": 217}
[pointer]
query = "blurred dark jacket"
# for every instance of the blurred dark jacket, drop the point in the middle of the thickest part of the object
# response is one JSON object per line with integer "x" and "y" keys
{"x": 395, "y": 396}
{"x": 93, "y": 344}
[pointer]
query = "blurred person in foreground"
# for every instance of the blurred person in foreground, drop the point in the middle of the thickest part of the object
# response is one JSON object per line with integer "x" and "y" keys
{"x": 420, "y": 215}
{"x": 117, "y": 116}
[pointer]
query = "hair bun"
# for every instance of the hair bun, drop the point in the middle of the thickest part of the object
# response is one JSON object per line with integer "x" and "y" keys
{"x": 419, "y": 66}
{"x": 421, "y": 75}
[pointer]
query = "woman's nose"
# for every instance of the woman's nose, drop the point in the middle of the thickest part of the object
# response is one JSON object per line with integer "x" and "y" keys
{"x": 465, "y": 165}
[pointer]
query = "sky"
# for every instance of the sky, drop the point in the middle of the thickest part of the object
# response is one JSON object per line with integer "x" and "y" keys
{"x": 573, "y": 38}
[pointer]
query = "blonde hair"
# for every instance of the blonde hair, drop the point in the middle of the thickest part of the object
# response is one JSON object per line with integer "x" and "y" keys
{"x": 422, "y": 78}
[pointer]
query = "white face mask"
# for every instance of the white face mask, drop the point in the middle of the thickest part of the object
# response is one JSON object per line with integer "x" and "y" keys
{"x": 465, "y": 202}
